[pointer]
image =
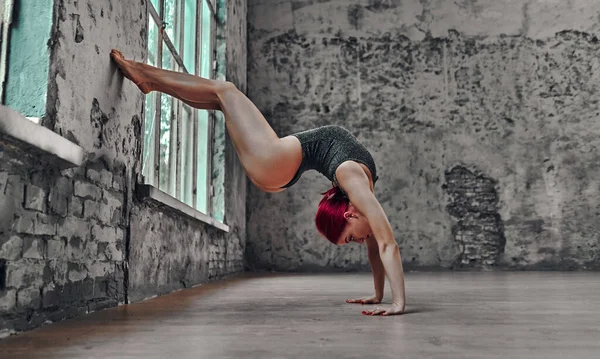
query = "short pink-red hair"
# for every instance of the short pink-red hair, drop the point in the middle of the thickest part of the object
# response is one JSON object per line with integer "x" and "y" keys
{"x": 330, "y": 219}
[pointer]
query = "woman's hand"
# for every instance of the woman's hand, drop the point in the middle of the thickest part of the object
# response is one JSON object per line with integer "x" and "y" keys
{"x": 365, "y": 300}
{"x": 395, "y": 309}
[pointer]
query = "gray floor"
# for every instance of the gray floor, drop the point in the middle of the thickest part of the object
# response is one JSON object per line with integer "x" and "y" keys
{"x": 450, "y": 315}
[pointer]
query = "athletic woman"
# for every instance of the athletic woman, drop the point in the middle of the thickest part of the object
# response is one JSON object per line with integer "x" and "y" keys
{"x": 348, "y": 212}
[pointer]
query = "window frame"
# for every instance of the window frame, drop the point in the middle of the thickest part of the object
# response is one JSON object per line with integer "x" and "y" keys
{"x": 177, "y": 111}
{"x": 6, "y": 18}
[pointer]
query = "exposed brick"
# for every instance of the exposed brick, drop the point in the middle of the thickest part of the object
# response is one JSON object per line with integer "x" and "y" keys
{"x": 72, "y": 226}
{"x": 66, "y": 313}
{"x": 12, "y": 248}
{"x": 33, "y": 248}
{"x": 113, "y": 200}
{"x": 103, "y": 177}
{"x": 15, "y": 189}
{"x": 45, "y": 225}
{"x": 101, "y": 269}
{"x": 29, "y": 298}
{"x": 35, "y": 223}
{"x": 35, "y": 198}
{"x": 59, "y": 270}
{"x": 91, "y": 250}
{"x": 50, "y": 296}
{"x": 87, "y": 289}
{"x": 75, "y": 248}
{"x": 474, "y": 205}
{"x": 24, "y": 273}
{"x": 3, "y": 180}
{"x": 7, "y": 212}
{"x": 76, "y": 207}
{"x": 100, "y": 287}
{"x": 59, "y": 196}
{"x": 25, "y": 223}
{"x": 101, "y": 256}
{"x": 55, "y": 248}
{"x": 8, "y": 300}
{"x": 104, "y": 234}
{"x": 77, "y": 272}
{"x": 74, "y": 172}
{"x": 120, "y": 235}
{"x": 118, "y": 183}
{"x": 87, "y": 190}
{"x": 97, "y": 305}
{"x": 112, "y": 252}
{"x": 102, "y": 212}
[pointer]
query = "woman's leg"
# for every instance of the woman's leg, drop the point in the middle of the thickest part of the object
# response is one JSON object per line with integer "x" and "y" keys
{"x": 268, "y": 160}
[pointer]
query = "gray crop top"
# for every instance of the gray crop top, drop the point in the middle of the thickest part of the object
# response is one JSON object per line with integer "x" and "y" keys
{"x": 325, "y": 148}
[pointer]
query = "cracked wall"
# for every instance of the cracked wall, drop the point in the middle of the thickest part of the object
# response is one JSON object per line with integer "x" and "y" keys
{"x": 504, "y": 89}
{"x": 80, "y": 240}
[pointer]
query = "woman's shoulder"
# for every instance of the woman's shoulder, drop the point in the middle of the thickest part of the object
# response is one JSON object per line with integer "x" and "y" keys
{"x": 349, "y": 170}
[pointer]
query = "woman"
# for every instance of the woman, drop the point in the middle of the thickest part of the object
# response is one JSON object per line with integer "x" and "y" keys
{"x": 349, "y": 212}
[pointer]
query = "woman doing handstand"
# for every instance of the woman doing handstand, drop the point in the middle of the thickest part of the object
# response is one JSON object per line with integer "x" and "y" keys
{"x": 348, "y": 212}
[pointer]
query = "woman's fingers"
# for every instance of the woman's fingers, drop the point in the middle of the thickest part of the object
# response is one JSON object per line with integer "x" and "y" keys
{"x": 377, "y": 311}
{"x": 384, "y": 312}
{"x": 367, "y": 300}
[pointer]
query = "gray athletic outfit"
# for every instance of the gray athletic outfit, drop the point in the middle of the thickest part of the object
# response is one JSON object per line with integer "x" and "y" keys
{"x": 325, "y": 148}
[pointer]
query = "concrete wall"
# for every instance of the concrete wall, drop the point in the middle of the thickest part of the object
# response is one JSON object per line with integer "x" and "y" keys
{"x": 481, "y": 116}
{"x": 79, "y": 240}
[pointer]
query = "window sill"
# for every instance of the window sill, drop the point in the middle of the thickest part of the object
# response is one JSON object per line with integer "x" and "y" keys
{"x": 18, "y": 131}
{"x": 160, "y": 198}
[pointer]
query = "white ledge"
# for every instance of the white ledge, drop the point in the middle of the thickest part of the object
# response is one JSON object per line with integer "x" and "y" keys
{"x": 20, "y": 128}
{"x": 162, "y": 198}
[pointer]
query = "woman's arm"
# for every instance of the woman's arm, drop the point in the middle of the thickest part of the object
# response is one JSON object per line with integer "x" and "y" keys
{"x": 378, "y": 274}
{"x": 376, "y": 267}
{"x": 355, "y": 183}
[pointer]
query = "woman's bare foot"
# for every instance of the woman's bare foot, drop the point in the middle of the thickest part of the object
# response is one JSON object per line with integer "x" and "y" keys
{"x": 128, "y": 68}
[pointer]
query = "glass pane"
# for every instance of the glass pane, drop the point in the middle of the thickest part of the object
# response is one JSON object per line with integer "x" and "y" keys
{"x": 171, "y": 21}
{"x": 150, "y": 109}
{"x": 203, "y": 157}
{"x": 152, "y": 42}
{"x": 206, "y": 55}
{"x": 149, "y": 133}
{"x": 187, "y": 156}
{"x": 156, "y": 4}
{"x": 189, "y": 36}
{"x": 167, "y": 131}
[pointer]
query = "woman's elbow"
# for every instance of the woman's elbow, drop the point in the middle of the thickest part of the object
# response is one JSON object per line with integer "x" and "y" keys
{"x": 388, "y": 246}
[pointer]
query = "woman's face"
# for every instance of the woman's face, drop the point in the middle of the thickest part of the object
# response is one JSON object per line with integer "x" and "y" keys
{"x": 357, "y": 227}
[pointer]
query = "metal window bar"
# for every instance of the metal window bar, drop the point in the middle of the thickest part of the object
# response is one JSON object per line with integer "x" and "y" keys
{"x": 6, "y": 14}
{"x": 211, "y": 118}
{"x": 177, "y": 111}
{"x": 163, "y": 35}
{"x": 157, "y": 114}
{"x": 197, "y": 62}
{"x": 179, "y": 23}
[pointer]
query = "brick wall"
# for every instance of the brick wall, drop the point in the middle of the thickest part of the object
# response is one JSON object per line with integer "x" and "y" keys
{"x": 61, "y": 241}
{"x": 80, "y": 240}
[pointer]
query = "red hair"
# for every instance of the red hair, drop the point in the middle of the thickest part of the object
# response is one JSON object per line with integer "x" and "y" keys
{"x": 330, "y": 219}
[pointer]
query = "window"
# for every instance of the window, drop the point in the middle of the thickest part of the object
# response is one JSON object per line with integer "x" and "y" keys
{"x": 24, "y": 55}
{"x": 6, "y": 7}
{"x": 177, "y": 149}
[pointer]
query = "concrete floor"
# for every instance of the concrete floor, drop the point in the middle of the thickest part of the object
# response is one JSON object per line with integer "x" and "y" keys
{"x": 450, "y": 315}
